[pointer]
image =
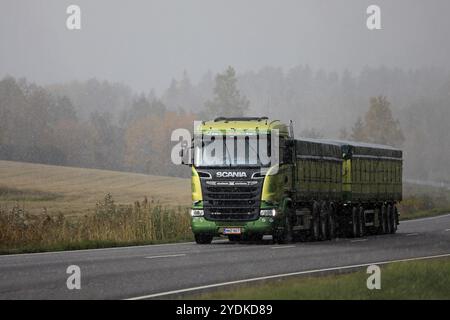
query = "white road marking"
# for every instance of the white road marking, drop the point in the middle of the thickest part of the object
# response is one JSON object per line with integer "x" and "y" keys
{"x": 412, "y": 234}
{"x": 447, "y": 229}
{"x": 282, "y": 247}
{"x": 215, "y": 285}
{"x": 166, "y": 256}
{"x": 359, "y": 240}
{"x": 95, "y": 249}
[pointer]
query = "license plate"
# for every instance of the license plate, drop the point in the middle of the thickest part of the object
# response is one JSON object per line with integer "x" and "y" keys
{"x": 232, "y": 231}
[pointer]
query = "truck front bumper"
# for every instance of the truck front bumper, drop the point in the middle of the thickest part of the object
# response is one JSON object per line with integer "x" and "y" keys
{"x": 263, "y": 225}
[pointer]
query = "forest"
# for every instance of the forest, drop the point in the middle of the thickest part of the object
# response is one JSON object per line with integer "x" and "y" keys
{"x": 107, "y": 125}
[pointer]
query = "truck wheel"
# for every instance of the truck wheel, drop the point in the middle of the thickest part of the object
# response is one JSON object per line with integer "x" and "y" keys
{"x": 323, "y": 227}
{"x": 315, "y": 223}
{"x": 395, "y": 223}
{"x": 332, "y": 226}
{"x": 382, "y": 219}
{"x": 203, "y": 238}
{"x": 362, "y": 222}
{"x": 355, "y": 222}
{"x": 389, "y": 217}
{"x": 392, "y": 220}
{"x": 325, "y": 223}
{"x": 285, "y": 236}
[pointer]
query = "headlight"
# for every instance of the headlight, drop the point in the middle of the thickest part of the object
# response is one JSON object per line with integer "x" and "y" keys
{"x": 196, "y": 213}
{"x": 268, "y": 213}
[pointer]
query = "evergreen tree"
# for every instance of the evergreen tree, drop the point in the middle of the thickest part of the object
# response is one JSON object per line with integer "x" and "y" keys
{"x": 227, "y": 100}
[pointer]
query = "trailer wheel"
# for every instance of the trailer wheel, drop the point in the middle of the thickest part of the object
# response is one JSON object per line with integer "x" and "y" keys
{"x": 323, "y": 227}
{"x": 392, "y": 220}
{"x": 355, "y": 222}
{"x": 395, "y": 223}
{"x": 315, "y": 223}
{"x": 203, "y": 238}
{"x": 325, "y": 222}
{"x": 362, "y": 222}
{"x": 332, "y": 225}
{"x": 389, "y": 216}
{"x": 382, "y": 219}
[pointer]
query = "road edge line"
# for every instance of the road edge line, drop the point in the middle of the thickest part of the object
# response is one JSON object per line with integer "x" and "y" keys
{"x": 282, "y": 275}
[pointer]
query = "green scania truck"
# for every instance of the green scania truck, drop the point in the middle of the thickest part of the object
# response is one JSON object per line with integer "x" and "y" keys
{"x": 312, "y": 190}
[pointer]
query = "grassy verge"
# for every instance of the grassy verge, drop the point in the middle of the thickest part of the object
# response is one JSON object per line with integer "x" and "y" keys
{"x": 109, "y": 225}
{"x": 423, "y": 201}
{"x": 427, "y": 279}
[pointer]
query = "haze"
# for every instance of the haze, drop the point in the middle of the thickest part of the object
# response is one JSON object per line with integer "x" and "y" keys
{"x": 146, "y": 43}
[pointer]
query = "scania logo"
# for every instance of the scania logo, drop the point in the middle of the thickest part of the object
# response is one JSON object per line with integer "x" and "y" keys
{"x": 231, "y": 174}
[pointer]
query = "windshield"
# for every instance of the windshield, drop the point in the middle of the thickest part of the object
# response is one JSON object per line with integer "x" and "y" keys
{"x": 232, "y": 151}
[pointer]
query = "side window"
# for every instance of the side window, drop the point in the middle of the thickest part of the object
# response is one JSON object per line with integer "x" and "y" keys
{"x": 286, "y": 150}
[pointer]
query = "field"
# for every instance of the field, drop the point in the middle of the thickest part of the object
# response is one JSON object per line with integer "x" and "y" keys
{"x": 428, "y": 279}
{"x": 46, "y": 207}
{"x": 74, "y": 191}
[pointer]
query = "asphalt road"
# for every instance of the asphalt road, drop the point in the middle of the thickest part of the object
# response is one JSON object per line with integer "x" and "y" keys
{"x": 149, "y": 271}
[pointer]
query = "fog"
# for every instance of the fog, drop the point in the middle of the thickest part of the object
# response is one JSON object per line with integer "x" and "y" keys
{"x": 146, "y": 43}
{"x": 108, "y": 95}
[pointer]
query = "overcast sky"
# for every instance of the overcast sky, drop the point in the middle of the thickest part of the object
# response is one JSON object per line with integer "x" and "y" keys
{"x": 146, "y": 43}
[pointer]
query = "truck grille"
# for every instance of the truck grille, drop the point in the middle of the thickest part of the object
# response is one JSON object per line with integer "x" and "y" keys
{"x": 231, "y": 202}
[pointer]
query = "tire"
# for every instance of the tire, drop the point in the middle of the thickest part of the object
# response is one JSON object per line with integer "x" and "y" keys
{"x": 393, "y": 220}
{"x": 332, "y": 225}
{"x": 325, "y": 223}
{"x": 323, "y": 227}
{"x": 285, "y": 236}
{"x": 355, "y": 222}
{"x": 382, "y": 219}
{"x": 203, "y": 238}
{"x": 389, "y": 217}
{"x": 315, "y": 223}
{"x": 362, "y": 222}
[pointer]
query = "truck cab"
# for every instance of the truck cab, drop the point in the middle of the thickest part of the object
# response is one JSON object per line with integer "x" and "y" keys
{"x": 241, "y": 175}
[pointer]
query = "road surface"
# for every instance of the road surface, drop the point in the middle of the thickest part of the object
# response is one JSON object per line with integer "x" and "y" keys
{"x": 156, "y": 270}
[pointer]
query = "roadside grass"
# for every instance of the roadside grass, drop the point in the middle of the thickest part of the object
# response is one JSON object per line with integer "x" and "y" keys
{"x": 144, "y": 222}
{"x": 421, "y": 280}
{"x": 423, "y": 201}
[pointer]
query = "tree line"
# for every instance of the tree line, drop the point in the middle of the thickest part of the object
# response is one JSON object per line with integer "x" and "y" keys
{"x": 100, "y": 124}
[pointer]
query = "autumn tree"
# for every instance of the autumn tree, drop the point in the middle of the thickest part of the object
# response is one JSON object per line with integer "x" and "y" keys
{"x": 227, "y": 100}
{"x": 379, "y": 125}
